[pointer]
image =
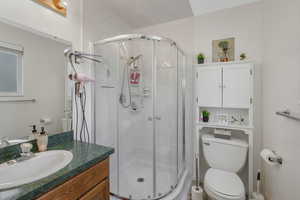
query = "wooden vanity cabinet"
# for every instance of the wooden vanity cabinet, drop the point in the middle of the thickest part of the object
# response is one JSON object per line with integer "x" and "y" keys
{"x": 99, "y": 192}
{"x": 92, "y": 184}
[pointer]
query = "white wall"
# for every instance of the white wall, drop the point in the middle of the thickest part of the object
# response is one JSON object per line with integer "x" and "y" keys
{"x": 34, "y": 16}
{"x": 195, "y": 35}
{"x": 99, "y": 22}
{"x": 43, "y": 80}
{"x": 281, "y": 90}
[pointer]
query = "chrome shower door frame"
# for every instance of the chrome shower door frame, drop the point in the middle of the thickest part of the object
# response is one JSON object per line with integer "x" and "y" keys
{"x": 155, "y": 40}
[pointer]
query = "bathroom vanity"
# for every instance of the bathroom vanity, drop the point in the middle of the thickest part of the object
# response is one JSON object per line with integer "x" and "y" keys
{"x": 86, "y": 177}
{"x": 91, "y": 184}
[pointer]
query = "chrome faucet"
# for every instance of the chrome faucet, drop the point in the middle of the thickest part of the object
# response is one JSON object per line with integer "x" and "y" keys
{"x": 233, "y": 120}
{"x": 26, "y": 152}
{"x": 3, "y": 142}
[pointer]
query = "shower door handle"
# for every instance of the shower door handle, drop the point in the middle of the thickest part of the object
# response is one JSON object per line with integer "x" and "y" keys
{"x": 155, "y": 118}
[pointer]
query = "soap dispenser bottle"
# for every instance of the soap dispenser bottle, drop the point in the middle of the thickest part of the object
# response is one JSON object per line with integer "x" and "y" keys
{"x": 42, "y": 140}
{"x": 34, "y": 131}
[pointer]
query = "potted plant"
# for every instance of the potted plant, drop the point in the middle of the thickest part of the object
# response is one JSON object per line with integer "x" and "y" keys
{"x": 243, "y": 56}
{"x": 201, "y": 58}
{"x": 205, "y": 116}
{"x": 224, "y": 45}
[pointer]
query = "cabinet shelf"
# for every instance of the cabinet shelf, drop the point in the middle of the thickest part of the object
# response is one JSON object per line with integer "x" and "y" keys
{"x": 222, "y": 126}
{"x": 222, "y": 63}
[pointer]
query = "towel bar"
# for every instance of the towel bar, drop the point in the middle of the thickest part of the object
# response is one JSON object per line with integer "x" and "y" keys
{"x": 288, "y": 114}
{"x": 17, "y": 100}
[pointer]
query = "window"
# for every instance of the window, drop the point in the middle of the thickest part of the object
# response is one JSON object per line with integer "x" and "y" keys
{"x": 11, "y": 70}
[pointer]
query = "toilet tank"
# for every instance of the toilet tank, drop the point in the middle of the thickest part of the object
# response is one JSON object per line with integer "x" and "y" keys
{"x": 229, "y": 155}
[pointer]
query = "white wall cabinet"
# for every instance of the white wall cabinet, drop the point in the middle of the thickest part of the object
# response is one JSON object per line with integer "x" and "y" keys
{"x": 224, "y": 85}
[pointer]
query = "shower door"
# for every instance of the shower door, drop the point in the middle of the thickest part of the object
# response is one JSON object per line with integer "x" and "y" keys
{"x": 166, "y": 124}
{"x": 136, "y": 127}
{"x": 149, "y": 137}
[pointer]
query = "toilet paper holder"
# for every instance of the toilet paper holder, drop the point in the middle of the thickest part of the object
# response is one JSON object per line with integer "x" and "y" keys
{"x": 276, "y": 159}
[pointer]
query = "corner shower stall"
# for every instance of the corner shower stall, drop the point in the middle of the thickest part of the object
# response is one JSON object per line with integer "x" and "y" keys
{"x": 139, "y": 110}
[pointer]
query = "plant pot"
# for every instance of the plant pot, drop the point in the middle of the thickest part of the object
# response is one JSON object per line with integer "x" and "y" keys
{"x": 205, "y": 118}
{"x": 200, "y": 60}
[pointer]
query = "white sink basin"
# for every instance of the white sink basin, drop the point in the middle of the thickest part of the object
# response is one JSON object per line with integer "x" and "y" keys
{"x": 38, "y": 167}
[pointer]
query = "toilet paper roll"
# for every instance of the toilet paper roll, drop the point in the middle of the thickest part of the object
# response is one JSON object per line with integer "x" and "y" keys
{"x": 266, "y": 154}
{"x": 66, "y": 124}
{"x": 45, "y": 121}
{"x": 197, "y": 193}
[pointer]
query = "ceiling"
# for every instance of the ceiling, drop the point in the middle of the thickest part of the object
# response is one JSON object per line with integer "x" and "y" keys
{"x": 200, "y": 7}
{"x": 142, "y": 13}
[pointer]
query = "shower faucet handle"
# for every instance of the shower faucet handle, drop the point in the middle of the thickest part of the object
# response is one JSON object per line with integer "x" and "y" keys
{"x": 158, "y": 118}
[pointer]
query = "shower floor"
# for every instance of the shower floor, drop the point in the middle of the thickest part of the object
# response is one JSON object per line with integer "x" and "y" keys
{"x": 136, "y": 181}
{"x": 129, "y": 185}
{"x": 180, "y": 193}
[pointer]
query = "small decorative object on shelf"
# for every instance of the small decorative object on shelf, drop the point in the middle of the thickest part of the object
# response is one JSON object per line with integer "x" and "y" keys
{"x": 205, "y": 116}
{"x": 223, "y": 50}
{"x": 201, "y": 58}
{"x": 243, "y": 56}
{"x": 224, "y": 45}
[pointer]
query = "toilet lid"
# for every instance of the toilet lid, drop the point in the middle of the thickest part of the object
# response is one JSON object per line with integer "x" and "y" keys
{"x": 223, "y": 182}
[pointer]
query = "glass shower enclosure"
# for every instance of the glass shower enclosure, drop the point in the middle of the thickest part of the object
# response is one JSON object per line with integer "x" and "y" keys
{"x": 139, "y": 110}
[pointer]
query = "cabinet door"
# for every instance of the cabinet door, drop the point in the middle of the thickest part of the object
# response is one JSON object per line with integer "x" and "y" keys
{"x": 237, "y": 85}
{"x": 208, "y": 86}
{"x": 100, "y": 192}
{"x": 80, "y": 184}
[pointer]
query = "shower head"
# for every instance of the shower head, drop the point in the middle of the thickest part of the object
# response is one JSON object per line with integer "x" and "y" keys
{"x": 133, "y": 59}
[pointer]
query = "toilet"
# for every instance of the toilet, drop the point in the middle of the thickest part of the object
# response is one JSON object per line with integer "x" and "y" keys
{"x": 226, "y": 158}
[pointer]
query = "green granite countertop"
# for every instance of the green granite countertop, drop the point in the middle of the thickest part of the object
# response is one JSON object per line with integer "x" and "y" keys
{"x": 84, "y": 156}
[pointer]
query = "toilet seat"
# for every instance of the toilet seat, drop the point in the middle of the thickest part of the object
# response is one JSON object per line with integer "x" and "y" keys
{"x": 223, "y": 185}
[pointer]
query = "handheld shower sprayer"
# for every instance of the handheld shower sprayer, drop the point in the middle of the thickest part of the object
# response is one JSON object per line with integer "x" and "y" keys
{"x": 130, "y": 79}
{"x": 133, "y": 59}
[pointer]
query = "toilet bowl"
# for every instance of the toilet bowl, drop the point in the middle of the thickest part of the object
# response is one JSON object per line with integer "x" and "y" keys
{"x": 226, "y": 158}
{"x": 222, "y": 185}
